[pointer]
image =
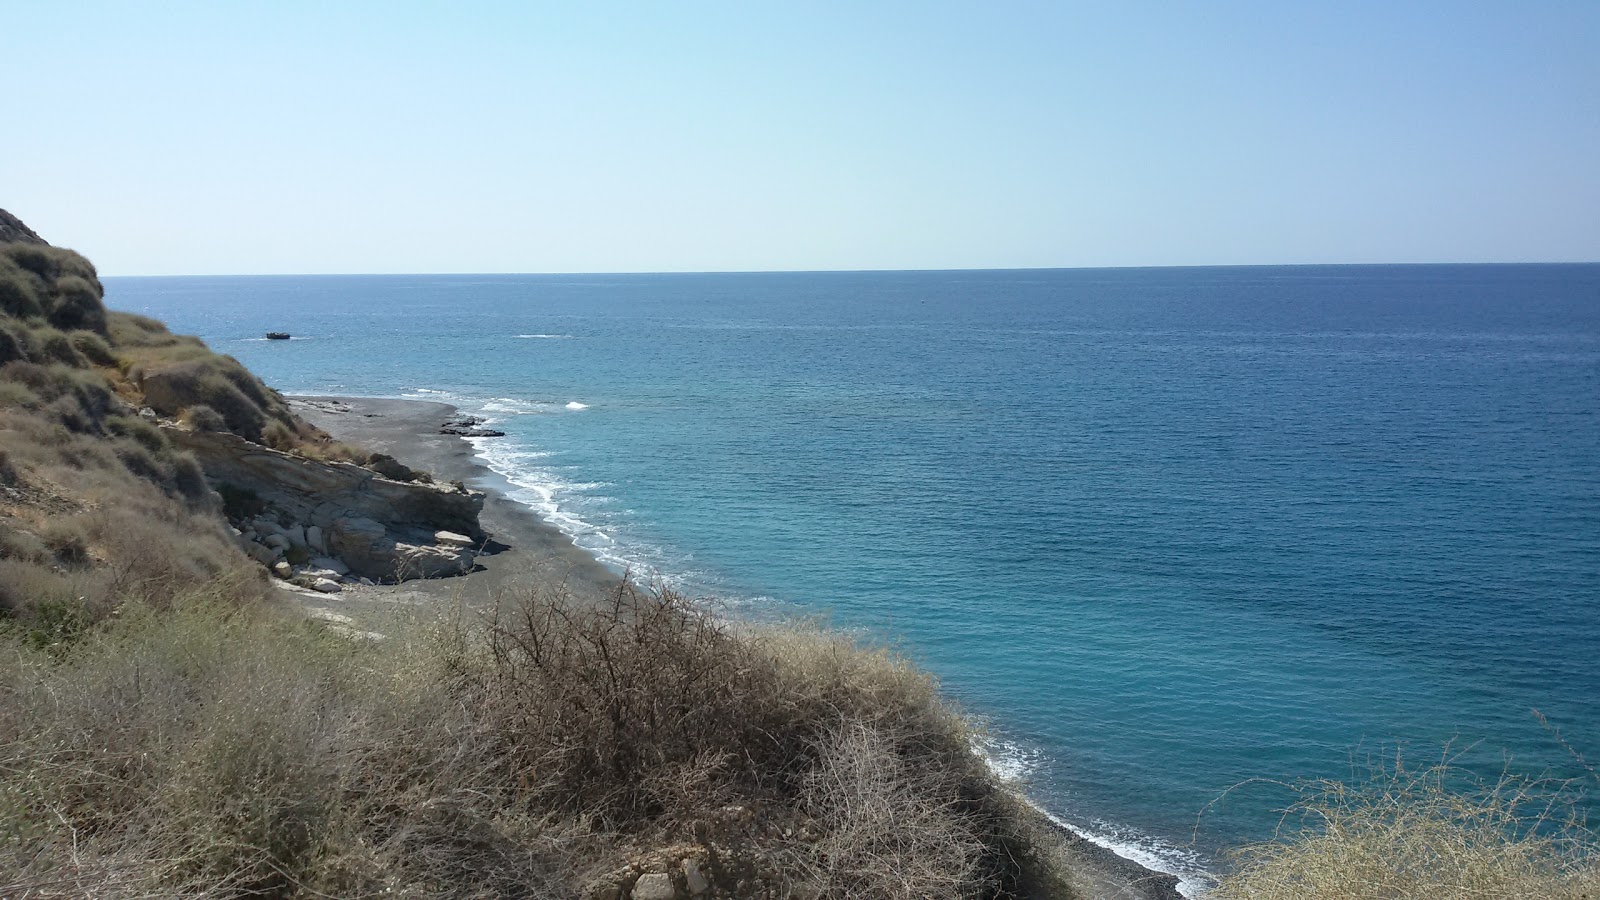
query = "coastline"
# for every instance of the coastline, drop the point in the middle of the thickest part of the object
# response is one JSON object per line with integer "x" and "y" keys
{"x": 528, "y": 550}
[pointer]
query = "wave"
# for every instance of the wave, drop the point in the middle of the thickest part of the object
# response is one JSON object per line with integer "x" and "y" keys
{"x": 1013, "y": 762}
{"x": 575, "y": 405}
{"x": 547, "y": 337}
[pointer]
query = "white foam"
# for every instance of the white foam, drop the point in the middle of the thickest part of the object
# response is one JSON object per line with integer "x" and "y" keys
{"x": 546, "y": 337}
{"x": 575, "y": 405}
{"x": 1153, "y": 854}
{"x": 1013, "y": 762}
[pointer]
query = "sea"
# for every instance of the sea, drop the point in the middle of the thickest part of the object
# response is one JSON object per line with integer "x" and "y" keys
{"x": 1181, "y": 538}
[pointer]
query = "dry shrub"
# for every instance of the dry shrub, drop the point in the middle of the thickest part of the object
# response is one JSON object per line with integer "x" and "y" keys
{"x": 887, "y": 830}
{"x": 206, "y": 748}
{"x": 1410, "y": 836}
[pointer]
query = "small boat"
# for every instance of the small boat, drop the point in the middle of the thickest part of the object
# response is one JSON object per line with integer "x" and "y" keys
{"x": 277, "y": 335}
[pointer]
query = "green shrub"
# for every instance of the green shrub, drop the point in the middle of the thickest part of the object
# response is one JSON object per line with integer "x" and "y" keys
{"x": 12, "y": 346}
{"x": 19, "y": 291}
{"x": 50, "y": 345}
{"x": 17, "y": 395}
{"x": 75, "y": 304}
{"x": 188, "y": 477}
{"x": 139, "y": 430}
{"x": 93, "y": 347}
{"x": 143, "y": 463}
{"x": 203, "y": 418}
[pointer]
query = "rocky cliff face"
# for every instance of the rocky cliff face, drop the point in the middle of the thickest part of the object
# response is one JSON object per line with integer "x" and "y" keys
{"x": 380, "y": 529}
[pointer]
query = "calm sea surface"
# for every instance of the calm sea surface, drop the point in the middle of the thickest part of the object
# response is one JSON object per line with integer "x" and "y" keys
{"x": 1167, "y": 529}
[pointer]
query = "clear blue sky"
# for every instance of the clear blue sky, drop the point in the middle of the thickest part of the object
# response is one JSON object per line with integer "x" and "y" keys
{"x": 583, "y": 137}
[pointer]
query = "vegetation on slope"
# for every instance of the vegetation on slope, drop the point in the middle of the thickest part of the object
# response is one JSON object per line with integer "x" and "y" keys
{"x": 1404, "y": 835}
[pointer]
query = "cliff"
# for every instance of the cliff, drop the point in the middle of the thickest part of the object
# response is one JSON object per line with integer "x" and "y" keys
{"x": 77, "y": 381}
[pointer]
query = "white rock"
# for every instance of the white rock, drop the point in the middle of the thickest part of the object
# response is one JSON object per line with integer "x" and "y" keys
{"x": 330, "y": 564}
{"x": 326, "y": 586}
{"x": 694, "y": 878}
{"x": 653, "y": 886}
{"x": 282, "y": 570}
{"x": 316, "y": 541}
{"x": 451, "y": 539}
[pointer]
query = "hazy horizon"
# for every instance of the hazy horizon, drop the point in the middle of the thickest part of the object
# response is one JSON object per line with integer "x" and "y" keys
{"x": 719, "y": 137}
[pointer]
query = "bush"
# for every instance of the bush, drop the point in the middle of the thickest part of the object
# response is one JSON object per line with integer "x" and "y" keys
{"x": 93, "y": 347}
{"x": 49, "y": 345}
{"x": 12, "y": 346}
{"x": 203, "y": 418}
{"x": 188, "y": 477}
{"x": 15, "y": 395}
{"x": 19, "y": 291}
{"x": 139, "y": 430}
{"x": 1410, "y": 836}
{"x": 75, "y": 304}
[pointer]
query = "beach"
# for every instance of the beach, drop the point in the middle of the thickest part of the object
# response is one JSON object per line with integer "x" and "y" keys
{"x": 527, "y": 553}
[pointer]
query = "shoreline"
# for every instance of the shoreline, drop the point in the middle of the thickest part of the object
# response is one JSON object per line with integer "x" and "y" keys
{"x": 528, "y": 549}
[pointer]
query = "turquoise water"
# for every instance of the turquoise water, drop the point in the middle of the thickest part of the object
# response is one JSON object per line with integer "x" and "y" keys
{"x": 1167, "y": 529}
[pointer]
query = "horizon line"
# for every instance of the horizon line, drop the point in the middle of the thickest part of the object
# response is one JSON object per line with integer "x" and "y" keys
{"x": 884, "y": 271}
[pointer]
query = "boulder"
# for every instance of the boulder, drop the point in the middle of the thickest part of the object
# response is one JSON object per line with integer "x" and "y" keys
{"x": 276, "y": 541}
{"x": 315, "y": 542}
{"x": 451, "y": 539}
{"x": 282, "y": 570}
{"x": 364, "y": 545}
{"x": 264, "y": 526}
{"x": 653, "y": 886}
{"x": 328, "y": 563}
{"x": 325, "y": 585}
{"x": 262, "y": 554}
{"x": 296, "y": 535}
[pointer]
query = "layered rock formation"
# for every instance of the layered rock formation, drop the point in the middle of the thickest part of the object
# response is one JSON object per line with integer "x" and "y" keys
{"x": 378, "y": 528}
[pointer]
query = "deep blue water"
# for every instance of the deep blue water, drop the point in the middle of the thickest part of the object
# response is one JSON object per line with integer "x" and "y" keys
{"x": 1169, "y": 529}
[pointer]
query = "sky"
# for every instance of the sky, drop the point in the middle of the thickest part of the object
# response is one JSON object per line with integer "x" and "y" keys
{"x": 356, "y": 137}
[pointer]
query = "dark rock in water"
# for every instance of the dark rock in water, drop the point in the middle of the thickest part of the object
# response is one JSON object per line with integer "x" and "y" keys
{"x": 468, "y": 426}
{"x": 277, "y": 335}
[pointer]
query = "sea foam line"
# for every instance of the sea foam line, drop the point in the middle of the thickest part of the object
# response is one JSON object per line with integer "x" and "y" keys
{"x": 1013, "y": 762}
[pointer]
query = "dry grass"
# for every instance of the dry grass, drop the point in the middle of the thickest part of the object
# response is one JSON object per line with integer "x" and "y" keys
{"x": 208, "y": 749}
{"x": 1430, "y": 834}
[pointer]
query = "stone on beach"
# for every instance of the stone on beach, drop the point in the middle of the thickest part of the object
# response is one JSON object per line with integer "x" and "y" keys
{"x": 282, "y": 570}
{"x": 326, "y": 586}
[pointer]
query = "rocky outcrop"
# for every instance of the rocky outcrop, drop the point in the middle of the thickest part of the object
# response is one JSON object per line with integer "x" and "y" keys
{"x": 13, "y": 231}
{"x": 468, "y": 426}
{"x": 374, "y": 527}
